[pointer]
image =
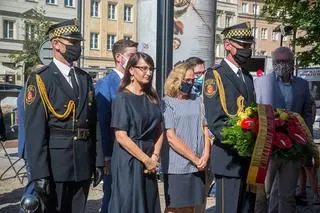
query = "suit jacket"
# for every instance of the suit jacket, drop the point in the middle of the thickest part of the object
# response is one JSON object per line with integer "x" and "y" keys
{"x": 52, "y": 151}
{"x": 224, "y": 160}
{"x": 106, "y": 90}
{"x": 268, "y": 92}
{"x": 21, "y": 133}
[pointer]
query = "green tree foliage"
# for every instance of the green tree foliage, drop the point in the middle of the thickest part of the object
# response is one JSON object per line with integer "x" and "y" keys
{"x": 36, "y": 26}
{"x": 302, "y": 15}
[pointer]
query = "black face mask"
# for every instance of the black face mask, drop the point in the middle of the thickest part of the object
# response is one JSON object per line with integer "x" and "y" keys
{"x": 72, "y": 53}
{"x": 242, "y": 55}
{"x": 186, "y": 87}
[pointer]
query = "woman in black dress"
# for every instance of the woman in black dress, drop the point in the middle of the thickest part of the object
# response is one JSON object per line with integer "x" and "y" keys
{"x": 136, "y": 119}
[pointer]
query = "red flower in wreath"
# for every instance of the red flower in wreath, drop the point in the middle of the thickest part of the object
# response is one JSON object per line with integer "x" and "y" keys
{"x": 247, "y": 123}
{"x": 282, "y": 141}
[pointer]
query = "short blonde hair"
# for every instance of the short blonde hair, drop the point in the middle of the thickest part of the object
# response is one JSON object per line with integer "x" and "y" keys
{"x": 176, "y": 76}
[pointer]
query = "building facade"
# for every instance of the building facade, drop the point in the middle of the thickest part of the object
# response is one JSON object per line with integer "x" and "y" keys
{"x": 13, "y": 30}
{"x": 266, "y": 39}
{"x": 105, "y": 22}
{"x": 227, "y": 15}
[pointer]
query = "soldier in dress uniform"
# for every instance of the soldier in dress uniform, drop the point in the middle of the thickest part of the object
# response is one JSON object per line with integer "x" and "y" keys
{"x": 60, "y": 126}
{"x": 226, "y": 86}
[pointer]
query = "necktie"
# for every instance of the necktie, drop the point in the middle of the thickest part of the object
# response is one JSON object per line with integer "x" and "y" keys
{"x": 75, "y": 86}
{"x": 239, "y": 74}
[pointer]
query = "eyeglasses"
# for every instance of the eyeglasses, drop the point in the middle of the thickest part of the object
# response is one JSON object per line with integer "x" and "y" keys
{"x": 145, "y": 69}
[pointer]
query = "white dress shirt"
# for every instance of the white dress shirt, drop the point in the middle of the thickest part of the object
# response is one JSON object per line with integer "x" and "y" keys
{"x": 235, "y": 69}
{"x": 65, "y": 69}
{"x": 119, "y": 73}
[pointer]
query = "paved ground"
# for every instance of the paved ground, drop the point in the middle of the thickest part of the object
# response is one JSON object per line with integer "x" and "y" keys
{"x": 11, "y": 189}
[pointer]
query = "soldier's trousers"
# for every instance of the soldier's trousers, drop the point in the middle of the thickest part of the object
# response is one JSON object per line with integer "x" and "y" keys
{"x": 232, "y": 197}
{"x": 68, "y": 197}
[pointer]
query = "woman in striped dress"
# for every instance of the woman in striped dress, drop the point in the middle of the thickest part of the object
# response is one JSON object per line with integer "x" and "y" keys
{"x": 185, "y": 154}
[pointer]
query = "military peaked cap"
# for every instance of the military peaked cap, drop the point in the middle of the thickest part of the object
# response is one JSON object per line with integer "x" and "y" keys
{"x": 241, "y": 33}
{"x": 66, "y": 29}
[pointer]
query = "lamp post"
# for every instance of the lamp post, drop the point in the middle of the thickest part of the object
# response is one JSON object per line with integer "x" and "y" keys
{"x": 255, "y": 27}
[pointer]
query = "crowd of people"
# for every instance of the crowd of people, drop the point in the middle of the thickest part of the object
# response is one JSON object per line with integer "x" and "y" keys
{"x": 120, "y": 130}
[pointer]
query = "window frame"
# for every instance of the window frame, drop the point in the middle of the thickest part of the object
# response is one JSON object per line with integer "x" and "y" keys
{"x": 275, "y": 36}
{"x": 30, "y": 31}
{"x": 229, "y": 18}
{"x": 94, "y": 42}
{"x": 6, "y": 29}
{"x": 51, "y": 2}
{"x": 109, "y": 42}
{"x": 264, "y": 31}
{"x": 125, "y": 13}
{"x": 68, "y": 5}
{"x": 112, "y": 15}
{"x": 246, "y": 7}
{"x": 95, "y": 10}
{"x": 127, "y": 37}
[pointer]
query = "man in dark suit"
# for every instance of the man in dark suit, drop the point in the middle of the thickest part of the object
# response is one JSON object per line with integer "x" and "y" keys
{"x": 220, "y": 102}
{"x": 283, "y": 90}
{"x": 60, "y": 126}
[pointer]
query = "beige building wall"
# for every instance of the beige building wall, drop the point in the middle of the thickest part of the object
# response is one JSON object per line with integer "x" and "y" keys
{"x": 100, "y": 56}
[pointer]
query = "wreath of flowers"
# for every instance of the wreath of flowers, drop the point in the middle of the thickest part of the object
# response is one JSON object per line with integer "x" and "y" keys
{"x": 289, "y": 139}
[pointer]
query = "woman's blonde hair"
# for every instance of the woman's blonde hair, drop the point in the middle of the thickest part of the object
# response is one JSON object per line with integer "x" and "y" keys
{"x": 176, "y": 76}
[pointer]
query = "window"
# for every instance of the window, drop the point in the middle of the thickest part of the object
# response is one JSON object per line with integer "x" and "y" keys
{"x": 218, "y": 50}
{"x": 111, "y": 11}
{"x": 94, "y": 40}
{"x": 127, "y": 37}
{"x": 127, "y": 13}
{"x": 51, "y": 1}
{"x": 94, "y": 8}
{"x": 68, "y": 3}
{"x": 111, "y": 39}
{"x": 30, "y": 31}
{"x": 255, "y": 32}
{"x": 244, "y": 7}
{"x": 255, "y": 9}
{"x": 8, "y": 27}
{"x": 228, "y": 21}
{"x": 219, "y": 20}
{"x": 264, "y": 34}
{"x": 275, "y": 36}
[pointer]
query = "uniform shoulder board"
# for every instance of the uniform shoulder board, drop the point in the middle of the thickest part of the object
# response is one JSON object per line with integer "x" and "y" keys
{"x": 216, "y": 66}
{"x": 43, "y": 68}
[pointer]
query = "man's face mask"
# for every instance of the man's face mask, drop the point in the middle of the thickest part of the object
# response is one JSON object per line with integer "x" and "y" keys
{"x": 124, "y": 64}
{"x": 242, "y": 55}
{"x": 72, "y": 53}
{"x": 283, "y": 68}
{"x": 198, "y": 83}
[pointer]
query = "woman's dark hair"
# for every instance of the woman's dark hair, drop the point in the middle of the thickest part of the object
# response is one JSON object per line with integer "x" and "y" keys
{"x": 147, "y": 88}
